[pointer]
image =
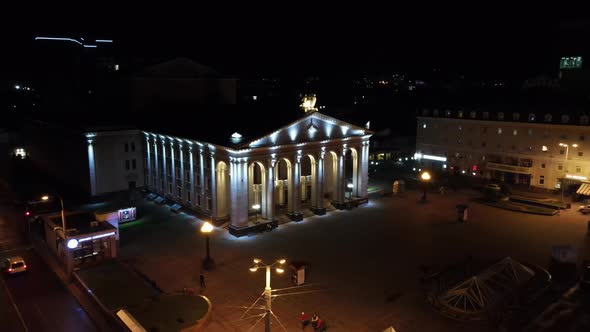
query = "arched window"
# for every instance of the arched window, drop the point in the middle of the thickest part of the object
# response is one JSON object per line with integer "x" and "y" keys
{"x": 472, "y": 114}
{"x": 460, "y": 114}
{"x": 515, "y": 116}
{"x": 565, "y": 118}
{"x": 532, "y": 117}
{"x": 501, "y": 116}
{"x": 548, "y": 117}
{"x": 584, "y": 119}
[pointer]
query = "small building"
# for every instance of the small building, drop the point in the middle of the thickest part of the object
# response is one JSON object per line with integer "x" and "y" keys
{"x": 86, "y": 239}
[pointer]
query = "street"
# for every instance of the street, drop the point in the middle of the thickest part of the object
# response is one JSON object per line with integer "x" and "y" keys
{"x": 36, "y": 299}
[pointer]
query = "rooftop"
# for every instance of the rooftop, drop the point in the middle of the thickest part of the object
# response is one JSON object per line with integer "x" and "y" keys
{"x": 80, "y": 223}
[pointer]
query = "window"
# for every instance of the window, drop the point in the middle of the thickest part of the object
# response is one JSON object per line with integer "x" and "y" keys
{"x": 448, "y": 113}
{"x": 133, "y": 164}
{"x": 132, "y": 146}
{"x": 563, "y": 136}
{"x": 484, "y": 130}
{"x": 501, "y": 116}
{"x": 435, "y": 112}
{"x": 515, "y": 116}
{"x": 548, "y": 117}
{"x": 580, "y": 154}
{"x": 543, "y": 165}
{"x": 530, "y": 132}
{"x": 198, "y": 200}
{"x": 460, "y": 114}
{"x": 542, "y": 179}
{"x": 127, "y": 165}
{"x": 179, "y": 192}
{"x": 531, "y": 117}
{"x": 188, "y": 196}
{"x": 486, "y": 115}
{"x": 459, "y": 141}
{"x": 578, "y": 169}
{"x": 425, "y": 112}
{"x": 126, "y": 147}
{"x": 208, "y": 203}
{"x": 515, "y": 132}
{"x": 170, "y": 188}
{"x": 483, "y": 144}
{"x": 499, "y": 131}
{"x": 472, "y": 114}
{"x": 560, "y": 167}
{"x": 565, "y": 118}
{"x": 562, "y": 151}
{"x": 582, "y": 137}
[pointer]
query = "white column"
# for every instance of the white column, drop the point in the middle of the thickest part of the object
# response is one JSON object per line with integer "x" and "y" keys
{"x": 164, "y": 173}
{"x": 270, "y": 190}
{"x": 182, "y": 179}
{"x": 91, "y": 168}
{"x": 156, "y": 167}
{"x": 173, "y": 169}
{"x": 239, "y": 192}
{"x": 203, "y": 180}
{"x": 148, "y": 169}
{"x": 251, "y": 193}
{"x": 213, "y": 189}
{"x": 294, "y": 204}
{"x": 192, "y": 175}
{"x": 340, "y": 176}
{"x": 318, "y": 203}
{"x": 363, "y": 172}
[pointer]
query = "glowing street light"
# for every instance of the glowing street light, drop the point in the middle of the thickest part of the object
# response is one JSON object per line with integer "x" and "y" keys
{"x": 206, "y": 230}
{"x": 45, "y": 198}
{"x": 256, "y": 207}
{"x": 567, "y": 148}
{"x": 425, "y": 176}
{"x": 267, "y": 290}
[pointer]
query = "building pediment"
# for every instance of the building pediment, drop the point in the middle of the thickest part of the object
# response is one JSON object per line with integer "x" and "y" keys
{"x": 313, "y": 127}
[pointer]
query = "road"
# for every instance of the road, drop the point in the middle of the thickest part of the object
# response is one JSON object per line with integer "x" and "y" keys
{"x": 35, "y": 300}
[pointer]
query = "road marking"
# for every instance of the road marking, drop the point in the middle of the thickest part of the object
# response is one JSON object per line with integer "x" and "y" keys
{"x": 14, "y": 305}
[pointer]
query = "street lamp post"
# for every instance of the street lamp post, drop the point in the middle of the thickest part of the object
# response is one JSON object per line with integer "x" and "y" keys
{"x": 349, "y": 186}
{"x": 267, "y": 290}
{"x": 567, "y": 149}
{"x": 425, "y": 176}
{"x": 206, "y": 229}
{"x": 71, "y": 244}
{"x": 256, "y": 207}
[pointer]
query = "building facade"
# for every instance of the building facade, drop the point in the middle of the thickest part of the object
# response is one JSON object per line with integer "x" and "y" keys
{"x": 307, "y": 164}
{"x": 541, "y": 150}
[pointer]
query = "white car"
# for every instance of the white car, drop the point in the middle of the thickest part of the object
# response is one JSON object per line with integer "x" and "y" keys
{"x": 494, "y": 187}
{"x": 14, "y": 265}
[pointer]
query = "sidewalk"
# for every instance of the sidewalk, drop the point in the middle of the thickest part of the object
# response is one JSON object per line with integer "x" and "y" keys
{"x": 97, "y": 316}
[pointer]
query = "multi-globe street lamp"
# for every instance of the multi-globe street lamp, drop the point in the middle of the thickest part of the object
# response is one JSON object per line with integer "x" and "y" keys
{"x": 267, "y": 290}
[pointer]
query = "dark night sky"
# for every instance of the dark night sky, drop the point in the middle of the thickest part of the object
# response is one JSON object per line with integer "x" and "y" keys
{"x": 293, "y": 39}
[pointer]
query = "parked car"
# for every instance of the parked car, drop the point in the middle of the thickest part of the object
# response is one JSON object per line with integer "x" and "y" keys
{"x": 493, "y": 186}
{"x": 584, "y": 209}
{"x": 13, "y": 265}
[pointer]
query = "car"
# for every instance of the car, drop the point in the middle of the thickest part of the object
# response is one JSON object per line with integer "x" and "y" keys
{"x": 493, "y": 186}
{"x": 13, "y": 265}
{"x": 584, "y": 209}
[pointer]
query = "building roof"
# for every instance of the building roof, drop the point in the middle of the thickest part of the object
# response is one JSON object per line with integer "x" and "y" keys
{"x": 80, "y": 223}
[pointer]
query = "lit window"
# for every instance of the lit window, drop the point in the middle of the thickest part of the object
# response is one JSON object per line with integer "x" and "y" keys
{"x": 542, "y": 179}
{"x": 499, "y": 131}
{"x": 254, "y": 97}
{"x": 560, "y": 167}
{"x": 543, "y": 165}
{"x": 531, "y": 117}
{"x": 424, "y": 125}
{"x": 544, "y": 148}
{"x": 116, "y": 67}
{"x": 515, "y": 132}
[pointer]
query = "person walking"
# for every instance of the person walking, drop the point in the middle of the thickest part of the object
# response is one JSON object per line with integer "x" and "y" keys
{"x": 304, "y": 319}
{"x": 314, "y": 320}
{"x": 202, "y": 279}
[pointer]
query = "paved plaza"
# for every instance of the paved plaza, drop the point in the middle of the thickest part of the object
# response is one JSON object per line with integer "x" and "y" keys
{"x": 366, "y": 262}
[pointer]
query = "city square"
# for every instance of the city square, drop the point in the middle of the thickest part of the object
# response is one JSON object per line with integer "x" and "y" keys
{"x": 364, "y": 265}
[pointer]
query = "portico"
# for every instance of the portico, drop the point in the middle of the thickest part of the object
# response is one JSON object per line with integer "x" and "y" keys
{"x": 306, "y": 164}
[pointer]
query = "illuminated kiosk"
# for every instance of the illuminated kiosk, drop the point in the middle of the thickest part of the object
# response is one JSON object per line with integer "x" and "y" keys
{"x": 305, "y": 162}
{"x": 88, "y": 240}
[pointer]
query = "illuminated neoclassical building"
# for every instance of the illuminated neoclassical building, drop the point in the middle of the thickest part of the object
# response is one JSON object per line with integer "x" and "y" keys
{"x": 251, "y": 180}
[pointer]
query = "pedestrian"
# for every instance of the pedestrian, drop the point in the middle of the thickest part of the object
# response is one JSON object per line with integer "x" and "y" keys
{"x": 304, "y": 319}
{"x": 202, "y": 279}
{"x": 314, "y": 320}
